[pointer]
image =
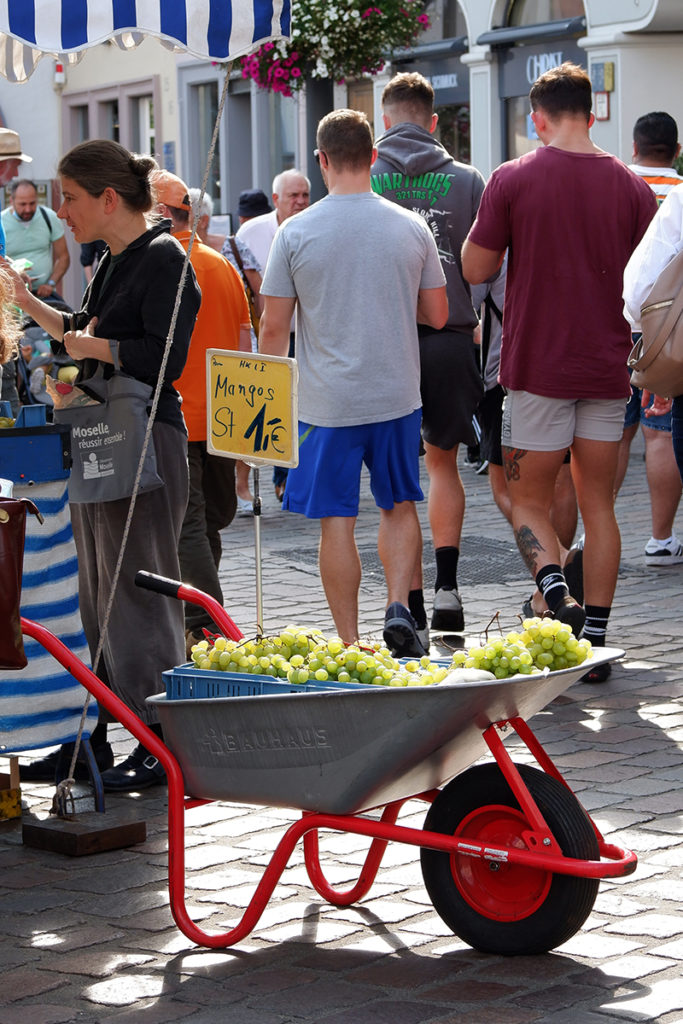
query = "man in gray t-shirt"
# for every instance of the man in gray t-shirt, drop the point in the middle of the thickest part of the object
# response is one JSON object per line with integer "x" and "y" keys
{"x": 359, "y": 271}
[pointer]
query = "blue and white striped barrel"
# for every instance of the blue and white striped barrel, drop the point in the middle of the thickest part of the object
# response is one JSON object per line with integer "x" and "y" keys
{"x": 41, "y": 705}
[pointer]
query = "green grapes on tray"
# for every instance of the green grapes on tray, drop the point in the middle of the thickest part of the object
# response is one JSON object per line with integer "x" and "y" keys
{"x": 541, "y": 644}
{"x": 300, "y": 654}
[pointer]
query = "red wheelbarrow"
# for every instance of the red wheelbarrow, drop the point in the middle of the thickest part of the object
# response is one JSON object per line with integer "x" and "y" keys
{"x": 510, "y": 858}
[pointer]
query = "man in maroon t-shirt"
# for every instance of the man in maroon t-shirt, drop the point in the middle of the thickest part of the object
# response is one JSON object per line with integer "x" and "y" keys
{"x": 569, "y": 215}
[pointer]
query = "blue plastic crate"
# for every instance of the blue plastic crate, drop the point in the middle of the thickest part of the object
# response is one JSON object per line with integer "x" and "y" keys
{"x": 33, "y": 450}
{"x": 187, "y": 682}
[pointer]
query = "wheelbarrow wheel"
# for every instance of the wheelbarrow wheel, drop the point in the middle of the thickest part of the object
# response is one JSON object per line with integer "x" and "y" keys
{"x": 508, "y": 909}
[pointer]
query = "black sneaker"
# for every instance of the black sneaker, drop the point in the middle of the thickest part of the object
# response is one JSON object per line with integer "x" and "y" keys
{"x": 400, "y": 633}
{"x": 447, "y": 613}
{"x": 140, "y": 770}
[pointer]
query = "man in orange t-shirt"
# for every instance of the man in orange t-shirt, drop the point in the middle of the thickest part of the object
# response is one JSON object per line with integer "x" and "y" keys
{"x": 222, "y": 322}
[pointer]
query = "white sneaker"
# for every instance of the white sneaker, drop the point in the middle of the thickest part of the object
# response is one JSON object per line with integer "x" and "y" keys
{"x": 244, "y": 507}
{"x": 659, "y": 553}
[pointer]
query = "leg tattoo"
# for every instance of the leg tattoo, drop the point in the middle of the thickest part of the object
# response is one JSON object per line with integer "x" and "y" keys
{"x": 529, "y": 546}
{"x": 511, "y": 460}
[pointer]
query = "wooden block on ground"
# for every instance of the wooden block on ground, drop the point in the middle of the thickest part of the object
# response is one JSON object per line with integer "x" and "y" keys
{"x": 84, "y": 834}
{"x": 10, "y": 799}
{"x": 10, "y": 791}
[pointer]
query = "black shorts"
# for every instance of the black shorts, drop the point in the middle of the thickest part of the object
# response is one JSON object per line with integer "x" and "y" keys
{"x": 490, "y": 416}
{"x": 451, "y": 388}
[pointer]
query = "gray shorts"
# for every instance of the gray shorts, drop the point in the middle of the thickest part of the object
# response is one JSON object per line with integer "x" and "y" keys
{"x": 540, "y": 424}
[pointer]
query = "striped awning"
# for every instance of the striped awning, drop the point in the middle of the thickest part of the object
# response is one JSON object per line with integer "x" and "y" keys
{"x": 219, "y": 30}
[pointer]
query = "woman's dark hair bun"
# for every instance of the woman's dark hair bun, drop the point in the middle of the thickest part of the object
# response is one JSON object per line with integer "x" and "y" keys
{"x": 143, "y": 165}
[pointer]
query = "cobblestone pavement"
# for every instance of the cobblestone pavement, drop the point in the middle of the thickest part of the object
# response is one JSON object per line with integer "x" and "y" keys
{"x": 92, "y": 940}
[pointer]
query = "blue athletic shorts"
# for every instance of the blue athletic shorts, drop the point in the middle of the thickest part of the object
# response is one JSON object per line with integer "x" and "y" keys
{"x": 327, "y": 480}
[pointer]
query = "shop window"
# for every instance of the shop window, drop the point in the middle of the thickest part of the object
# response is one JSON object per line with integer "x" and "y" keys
{"x": 520, "y": 131}
{"x": 142, "y": 125}
{"x": 80, "y": 123}
{"x": 454, "y": 23}
{"x": 109, "y": 120}
{"x": 536, "y": 12}
{"x": 361, "y": 97}
{"x": 287, "y": 119}
{"x": 204, "y": 98}
{"x": 453, "y": 130}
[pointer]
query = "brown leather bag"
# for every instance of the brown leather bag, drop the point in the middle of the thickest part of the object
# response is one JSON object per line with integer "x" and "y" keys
{"x": 657, "y": 357}
{"x": 12, "y": 532}
{"x": 251, "y": 298}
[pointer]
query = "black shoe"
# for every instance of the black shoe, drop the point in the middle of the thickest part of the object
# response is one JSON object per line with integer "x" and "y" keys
{"x": 447, "y": 613}
{"x": 570, "y": 612}
{"x": 599, "y": 674}
{"x": 400, "y": 633}
{"x": 140, "y": 770}
{"x": 46, "y": 768}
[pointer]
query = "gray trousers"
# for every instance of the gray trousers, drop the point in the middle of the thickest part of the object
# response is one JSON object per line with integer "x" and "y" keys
{"x": 145, "y": 633}
{"x": 211, "y": 507}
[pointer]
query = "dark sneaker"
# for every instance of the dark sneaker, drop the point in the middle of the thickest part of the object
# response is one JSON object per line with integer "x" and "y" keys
{"x": 45, "y": 769}
{"x": 572, "y": 613}
{"x": 423, "y": 636}
{"x": 140, "y": 770}
{"x": 599, "y": 674}
{"x": 447, "y": 613}
{"x": 400, "y": 633}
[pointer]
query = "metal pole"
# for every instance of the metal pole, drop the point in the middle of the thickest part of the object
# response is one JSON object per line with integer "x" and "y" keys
{"x": 257, "y": 553}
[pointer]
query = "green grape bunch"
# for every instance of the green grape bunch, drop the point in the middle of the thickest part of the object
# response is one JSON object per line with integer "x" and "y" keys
{"x": 542, "y": 644}
{"x": 301, "y": 655}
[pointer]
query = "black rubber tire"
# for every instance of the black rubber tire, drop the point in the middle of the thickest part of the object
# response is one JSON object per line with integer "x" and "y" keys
{"x": 547, "y": 908}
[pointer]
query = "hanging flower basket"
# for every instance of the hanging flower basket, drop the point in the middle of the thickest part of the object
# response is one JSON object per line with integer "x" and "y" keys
{"x": 338, "y": 40}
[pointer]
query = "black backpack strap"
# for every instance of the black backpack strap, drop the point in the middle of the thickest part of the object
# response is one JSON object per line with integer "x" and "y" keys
{"x": 47, "y": 220}
{"x": 490, "y": 309}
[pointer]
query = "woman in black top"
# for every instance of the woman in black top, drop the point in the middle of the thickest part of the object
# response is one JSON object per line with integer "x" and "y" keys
{"x": 106, "y": 194}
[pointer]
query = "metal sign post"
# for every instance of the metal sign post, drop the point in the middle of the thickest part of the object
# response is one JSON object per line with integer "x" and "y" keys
{"x": 252, "y": 416}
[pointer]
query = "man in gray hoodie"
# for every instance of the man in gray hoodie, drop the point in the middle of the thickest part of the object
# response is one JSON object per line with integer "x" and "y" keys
{"x": 415, "y": 171}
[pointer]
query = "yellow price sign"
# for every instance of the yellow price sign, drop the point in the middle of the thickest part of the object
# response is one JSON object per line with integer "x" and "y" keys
{"x": 252, "y": 407}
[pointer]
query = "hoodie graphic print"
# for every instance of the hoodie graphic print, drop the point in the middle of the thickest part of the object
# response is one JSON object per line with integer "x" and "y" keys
{"x": 415, "y": 171}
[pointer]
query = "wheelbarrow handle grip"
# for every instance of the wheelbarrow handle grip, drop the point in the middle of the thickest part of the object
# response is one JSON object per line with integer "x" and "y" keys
{"x": 159, "y": 584}
{"x": 184, "y": 592}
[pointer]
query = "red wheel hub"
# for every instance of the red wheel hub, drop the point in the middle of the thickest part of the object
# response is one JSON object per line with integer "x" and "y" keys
{"x": 499, "y": 891}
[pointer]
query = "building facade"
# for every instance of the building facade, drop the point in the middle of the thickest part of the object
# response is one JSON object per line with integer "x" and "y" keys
{"x": 631, "y": 49}
{"x": 481, "y": 56}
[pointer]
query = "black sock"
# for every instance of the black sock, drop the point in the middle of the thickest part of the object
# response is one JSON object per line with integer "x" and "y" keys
{"x": 552, "y": 585}
{"x": 447, "y": 568}
{"x": 595, "y": 628}
{"x": 416, "y": 607}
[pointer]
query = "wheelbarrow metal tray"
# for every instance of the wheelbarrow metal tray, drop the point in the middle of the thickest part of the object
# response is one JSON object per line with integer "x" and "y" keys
{"x": 345, "y": 751}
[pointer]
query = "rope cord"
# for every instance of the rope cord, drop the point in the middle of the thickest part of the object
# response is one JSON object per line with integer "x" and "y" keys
{"x": 63, "y": 793}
